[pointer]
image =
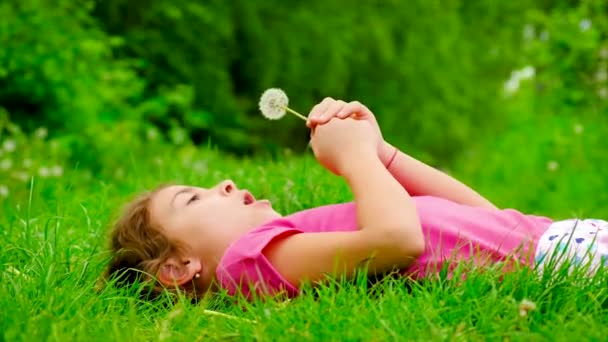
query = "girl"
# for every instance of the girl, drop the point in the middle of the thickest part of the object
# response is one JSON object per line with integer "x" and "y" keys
{"x": 405, "y": 215}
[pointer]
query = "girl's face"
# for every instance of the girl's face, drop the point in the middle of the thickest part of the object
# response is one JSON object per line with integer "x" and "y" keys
{"x": 208, "y": 220}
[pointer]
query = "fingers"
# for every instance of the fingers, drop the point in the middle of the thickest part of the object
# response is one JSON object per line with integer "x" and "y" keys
{"x": 329, "y": 108}
{"x": 331, "y": 111}
{"x": 324, "y": 112}
{"x": 354, "y": 108}
{"x": 317, "y": 110}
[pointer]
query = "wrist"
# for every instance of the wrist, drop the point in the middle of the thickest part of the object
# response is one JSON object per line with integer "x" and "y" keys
{"x": 359, "y": 162}
{"x": 387, "y": 154}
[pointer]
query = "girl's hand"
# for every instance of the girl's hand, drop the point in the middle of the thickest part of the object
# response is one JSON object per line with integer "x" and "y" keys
{"x": 338, "y": 142}
{"x": 329, "y": 108}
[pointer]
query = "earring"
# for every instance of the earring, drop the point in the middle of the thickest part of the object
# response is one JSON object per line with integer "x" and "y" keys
{"x": 197, "y": 275}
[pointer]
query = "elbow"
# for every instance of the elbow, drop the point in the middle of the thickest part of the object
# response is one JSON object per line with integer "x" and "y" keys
{"x": 415, "y": 245}
{"x": 409, "y": 241}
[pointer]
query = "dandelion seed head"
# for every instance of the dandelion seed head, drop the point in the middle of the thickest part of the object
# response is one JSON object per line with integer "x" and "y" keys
{"x": 273, "y": 103}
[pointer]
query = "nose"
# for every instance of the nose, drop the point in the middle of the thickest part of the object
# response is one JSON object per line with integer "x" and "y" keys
{"x": 227, "y": 187}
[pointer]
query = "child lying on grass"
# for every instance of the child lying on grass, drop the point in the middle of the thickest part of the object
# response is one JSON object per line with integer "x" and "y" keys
{"x": 406, "y": 215}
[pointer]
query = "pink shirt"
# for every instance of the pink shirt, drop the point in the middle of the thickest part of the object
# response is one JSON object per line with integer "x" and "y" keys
{"x": 452, "y": 231}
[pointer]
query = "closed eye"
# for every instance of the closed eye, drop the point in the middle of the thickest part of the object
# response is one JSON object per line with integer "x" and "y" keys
{"x": 192, "y": 199}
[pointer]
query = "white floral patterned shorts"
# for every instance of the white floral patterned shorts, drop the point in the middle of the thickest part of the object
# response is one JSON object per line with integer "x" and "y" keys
{"x": 581, "y": 242}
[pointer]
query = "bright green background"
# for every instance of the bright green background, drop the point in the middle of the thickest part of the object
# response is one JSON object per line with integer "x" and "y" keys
{"x": 100, "y": 100}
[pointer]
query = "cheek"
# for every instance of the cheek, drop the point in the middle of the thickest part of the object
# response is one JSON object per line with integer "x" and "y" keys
{"x": 211, "y": 217}
{"x": 218, "y": 218}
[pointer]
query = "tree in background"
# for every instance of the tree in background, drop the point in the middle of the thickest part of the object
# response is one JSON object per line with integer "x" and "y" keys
{"x": 432, "y": 71}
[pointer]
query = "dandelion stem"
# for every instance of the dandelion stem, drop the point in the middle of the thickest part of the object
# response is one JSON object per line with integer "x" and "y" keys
{"x": 295, "y": 113}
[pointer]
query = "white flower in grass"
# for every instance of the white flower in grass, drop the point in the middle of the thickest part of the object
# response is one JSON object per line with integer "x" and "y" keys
{"x": 544, "y": 36}
{"x": 578, "y": 128}
{"x": 44, "y": 172}
{"x": 6, "y": 164}
{"x": 552, "y": 165}
{"x": 57, "y": 171}
{"x": 527, "y": 73}
{"x": 512, "y": 84}
{"x": 273, "y": 103}
{"x": 151, "y": 134}
{"x": 4, "y": 191}
{"x": 601, "y": 75}
{"x": 9, "y": 145}
{"x": 529, "y": 32}
{"x": 585, "y": 24}
{"x": 41, "y": 133}
{"x": 525, "y": 307}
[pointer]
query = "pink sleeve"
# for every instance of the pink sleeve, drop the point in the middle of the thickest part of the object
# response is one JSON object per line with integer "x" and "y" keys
{"x": 245, "y": 269}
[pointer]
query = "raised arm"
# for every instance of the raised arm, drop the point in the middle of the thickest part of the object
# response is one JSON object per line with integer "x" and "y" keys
{"x": 390, "y": 234}
{"x": 415, "y": 176}
{"x": 421, "y": 179}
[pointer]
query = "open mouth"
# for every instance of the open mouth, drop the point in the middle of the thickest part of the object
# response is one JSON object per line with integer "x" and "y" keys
{"x": 248, "y": 198}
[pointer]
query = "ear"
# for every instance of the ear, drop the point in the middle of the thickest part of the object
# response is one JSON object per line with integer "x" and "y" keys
{"x": 177, "y": 271}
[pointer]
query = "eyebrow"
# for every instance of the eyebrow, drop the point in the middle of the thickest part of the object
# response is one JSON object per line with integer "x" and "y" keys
{"x": 182, "y": 191}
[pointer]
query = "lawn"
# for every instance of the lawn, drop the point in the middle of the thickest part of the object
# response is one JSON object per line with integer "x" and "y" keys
{"x": 52, "y": 238}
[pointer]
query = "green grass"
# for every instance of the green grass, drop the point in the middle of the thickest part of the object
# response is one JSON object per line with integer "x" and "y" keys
{"x": 52, "y": 251}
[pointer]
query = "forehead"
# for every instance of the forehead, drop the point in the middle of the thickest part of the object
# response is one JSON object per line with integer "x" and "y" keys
{"x": 161, "y": 202}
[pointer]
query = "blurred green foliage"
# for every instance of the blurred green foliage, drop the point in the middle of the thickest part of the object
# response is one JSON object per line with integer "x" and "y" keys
{"x": 549, "y": 153}
{"x": 107, "y": 74}
{"x": 412, "y": 64}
